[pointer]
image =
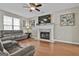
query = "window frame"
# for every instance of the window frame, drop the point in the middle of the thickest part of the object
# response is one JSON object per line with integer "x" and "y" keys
{"x": 12, "y": 23}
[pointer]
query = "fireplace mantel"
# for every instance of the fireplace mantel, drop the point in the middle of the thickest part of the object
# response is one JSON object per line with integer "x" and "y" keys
{"x": 45, "y": 27}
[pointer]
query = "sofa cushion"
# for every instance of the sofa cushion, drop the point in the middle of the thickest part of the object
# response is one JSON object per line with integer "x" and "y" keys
{"x": 12, "y": 35}
{"x": 6, "y": 35}
{"x": 28, "y": 50}
{"x": 1, "y": 34}
{"x": 22, "y": 35}
{"x": 8, "y": 38}
{"x": 2, "y": 54}
{"x": 11, "y": 47}
{"x": 1, "y": 46}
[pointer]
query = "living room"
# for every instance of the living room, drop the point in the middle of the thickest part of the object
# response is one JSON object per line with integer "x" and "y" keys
{"x": 39, "y": 29}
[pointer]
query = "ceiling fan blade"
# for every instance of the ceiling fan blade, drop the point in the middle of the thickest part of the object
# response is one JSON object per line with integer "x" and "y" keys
{"x": 37, "y": 9}
{"x": 32, "y": 4}
{"x": 38, "y": 5}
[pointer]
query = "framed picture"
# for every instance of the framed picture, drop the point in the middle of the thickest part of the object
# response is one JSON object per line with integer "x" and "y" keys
{"x": 33, "y": 23}
{"x": 67, "y": 19}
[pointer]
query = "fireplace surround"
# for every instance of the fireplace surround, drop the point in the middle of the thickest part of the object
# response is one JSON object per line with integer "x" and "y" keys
{"x": 47, "y": 31}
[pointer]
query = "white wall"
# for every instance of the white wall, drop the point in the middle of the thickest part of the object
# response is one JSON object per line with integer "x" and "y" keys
{"x": 67, "y": 33}
{"x": 64, "y": 33}
{"x": 34, "y": 29}
{"x": 2, "y": 13}
{"x": 1, "y": 22}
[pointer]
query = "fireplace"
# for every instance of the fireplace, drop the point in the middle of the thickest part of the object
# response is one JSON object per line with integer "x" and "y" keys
{"x": 45, "y": 35}
{"x": 45, "y": 32}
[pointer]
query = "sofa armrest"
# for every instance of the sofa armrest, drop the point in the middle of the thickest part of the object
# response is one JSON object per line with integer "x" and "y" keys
{"x": 24, "y": 51}
{"x": 9, "y": 41}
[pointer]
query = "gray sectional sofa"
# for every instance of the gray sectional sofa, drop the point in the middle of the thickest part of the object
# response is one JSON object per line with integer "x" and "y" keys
{"x": 12, "y": 35}
{"x": 9, "y": 45}
{"x": 13, "y": 49}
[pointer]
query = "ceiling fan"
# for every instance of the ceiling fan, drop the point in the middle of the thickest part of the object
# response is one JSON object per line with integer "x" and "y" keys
{"x": 33, "y": 6}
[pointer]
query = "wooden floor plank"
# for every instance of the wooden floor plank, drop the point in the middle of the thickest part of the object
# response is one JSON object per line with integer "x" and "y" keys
{"x": 51, "y": 49}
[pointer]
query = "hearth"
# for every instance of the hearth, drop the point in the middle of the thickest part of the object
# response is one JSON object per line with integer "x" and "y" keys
{"x": 45, "y": 35}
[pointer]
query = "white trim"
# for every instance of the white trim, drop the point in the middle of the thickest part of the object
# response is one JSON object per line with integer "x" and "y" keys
{"x": 44, "y": 40}
{"x": 67, "y": 42}
{"x": 52, "y": 41}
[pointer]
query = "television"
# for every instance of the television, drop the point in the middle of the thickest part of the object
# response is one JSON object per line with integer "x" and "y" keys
{"x": 44, "y": 19}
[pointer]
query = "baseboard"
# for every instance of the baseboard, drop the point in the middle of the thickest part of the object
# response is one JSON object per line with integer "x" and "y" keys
{"x": 44, "y": 40}
{"x": 67, "y": 42}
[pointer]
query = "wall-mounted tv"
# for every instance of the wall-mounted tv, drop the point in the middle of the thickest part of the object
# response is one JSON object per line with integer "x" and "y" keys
{"x": 44, "y": 19}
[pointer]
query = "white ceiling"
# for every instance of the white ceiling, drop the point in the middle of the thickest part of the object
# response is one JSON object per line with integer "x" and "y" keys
{"x": 17, "y": 8}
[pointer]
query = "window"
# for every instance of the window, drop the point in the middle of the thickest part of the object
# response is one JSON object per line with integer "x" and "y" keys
{"x": 16, "y": 24}
{"x": 7, "y": 23}
{"x": 11, "y": 23}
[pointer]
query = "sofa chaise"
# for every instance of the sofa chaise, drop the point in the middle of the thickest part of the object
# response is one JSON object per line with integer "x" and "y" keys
{"x": 13, "y": 49}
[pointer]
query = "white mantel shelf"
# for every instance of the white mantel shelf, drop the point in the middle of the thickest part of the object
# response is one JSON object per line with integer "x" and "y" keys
{"x": 44, "y": 26}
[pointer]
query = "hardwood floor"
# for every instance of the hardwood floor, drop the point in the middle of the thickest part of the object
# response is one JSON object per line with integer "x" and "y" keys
{"x": 51, "y": 49}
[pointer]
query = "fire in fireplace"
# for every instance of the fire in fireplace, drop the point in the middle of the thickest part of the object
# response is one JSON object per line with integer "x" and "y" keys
{"x": 45, "y": 35}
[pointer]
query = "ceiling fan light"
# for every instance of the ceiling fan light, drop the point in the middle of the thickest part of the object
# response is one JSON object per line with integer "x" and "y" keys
{"x": 32, "y": 8}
